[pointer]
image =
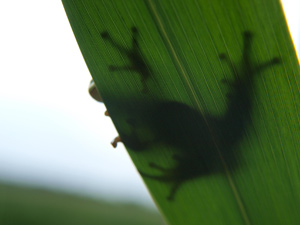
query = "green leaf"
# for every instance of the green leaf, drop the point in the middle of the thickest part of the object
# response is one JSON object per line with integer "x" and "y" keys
{"x": 205, "y": 96}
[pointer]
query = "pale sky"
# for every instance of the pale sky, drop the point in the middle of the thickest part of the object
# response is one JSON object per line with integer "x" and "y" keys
{"x": 53, "y": 134}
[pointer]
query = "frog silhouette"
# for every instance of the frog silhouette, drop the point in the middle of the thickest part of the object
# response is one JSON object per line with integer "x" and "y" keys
{"x": 202, "y": 142}
{"x": 137, "y": 62}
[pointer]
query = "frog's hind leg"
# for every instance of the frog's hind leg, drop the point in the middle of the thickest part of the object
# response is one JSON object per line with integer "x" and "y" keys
{"x": 163, "y": 178}
{"x": 160, "y": 168}
{"x": 173, "y": 190}
{"x": 167, "y": 177}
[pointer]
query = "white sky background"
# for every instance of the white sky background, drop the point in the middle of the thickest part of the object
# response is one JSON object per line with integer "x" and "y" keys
{"x": 52, "y": 133}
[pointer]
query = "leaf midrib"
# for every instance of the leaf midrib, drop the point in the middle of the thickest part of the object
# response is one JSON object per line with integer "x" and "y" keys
{"x": 157, "y": 20}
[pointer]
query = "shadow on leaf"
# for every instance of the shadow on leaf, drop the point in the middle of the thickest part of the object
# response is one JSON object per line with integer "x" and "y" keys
{"x": 202, "y": 142}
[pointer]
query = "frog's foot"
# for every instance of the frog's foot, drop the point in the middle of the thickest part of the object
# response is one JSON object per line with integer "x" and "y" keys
{"x": 115, "y": 142}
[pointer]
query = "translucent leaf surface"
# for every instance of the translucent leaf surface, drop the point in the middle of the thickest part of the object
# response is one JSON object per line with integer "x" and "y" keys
{"x": 205, "y": 96}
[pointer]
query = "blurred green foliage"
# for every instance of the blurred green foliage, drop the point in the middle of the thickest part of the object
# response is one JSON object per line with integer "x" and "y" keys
{"x": 24, "y": 206}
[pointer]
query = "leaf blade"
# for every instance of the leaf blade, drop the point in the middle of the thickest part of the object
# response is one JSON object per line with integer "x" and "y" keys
{"x": 188, "y": 69}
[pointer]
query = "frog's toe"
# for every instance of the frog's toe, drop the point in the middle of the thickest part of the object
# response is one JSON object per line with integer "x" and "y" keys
{"x": 134, "y": 29}
{"x": 104, "y": 34}
{"x": 276, "y": 60}
{"x": 115, "y": 142}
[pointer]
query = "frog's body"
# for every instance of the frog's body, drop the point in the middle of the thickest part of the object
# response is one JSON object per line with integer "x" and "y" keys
{"x": 201, "y": 143}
